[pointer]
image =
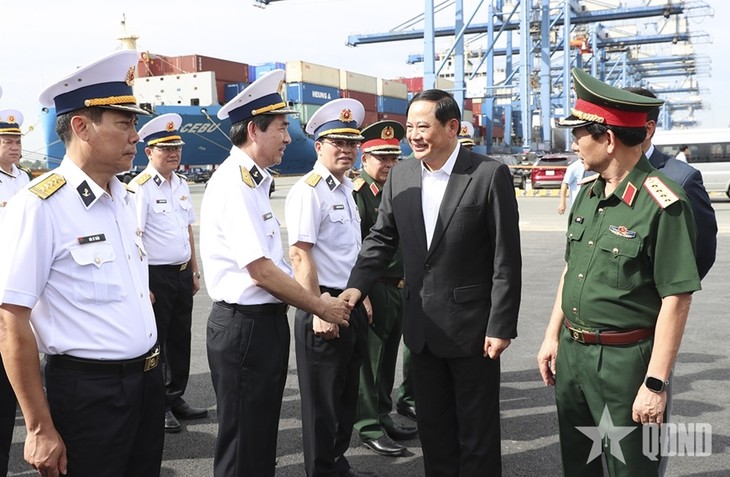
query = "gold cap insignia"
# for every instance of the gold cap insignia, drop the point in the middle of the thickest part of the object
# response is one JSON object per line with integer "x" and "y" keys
{"x": 387, "y": 133}
{"x": 130, "y": 76}
{"x": 346, "y": 115}
{"x": 11, "y": 119}
{"x": 170, "y": 126}
{"x": 464, "y": 131}
{"x": 280, "y": 88}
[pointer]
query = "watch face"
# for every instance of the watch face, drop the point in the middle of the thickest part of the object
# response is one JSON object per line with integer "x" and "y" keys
{"x": 654, "y": 384}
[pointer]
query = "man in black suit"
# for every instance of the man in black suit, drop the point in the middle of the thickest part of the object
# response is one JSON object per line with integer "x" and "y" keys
{"x": 691, "y": 181}
{"x": 455, "y": 215}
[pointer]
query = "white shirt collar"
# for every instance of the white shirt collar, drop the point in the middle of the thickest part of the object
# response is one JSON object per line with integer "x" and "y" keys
{"x": 448, "y": 166}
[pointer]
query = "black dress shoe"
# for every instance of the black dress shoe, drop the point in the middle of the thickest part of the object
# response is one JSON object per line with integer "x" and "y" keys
{"x": 355, "y": 473}
{"x": 385, "y": 446}
{"x": 406, "y": 410}
{"x": 171, "y": 424}
{"x": 183, "y": 410}
{"x": 401, "y": 433}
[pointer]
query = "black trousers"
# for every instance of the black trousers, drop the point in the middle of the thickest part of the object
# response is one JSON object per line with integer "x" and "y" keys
{"x": 173, "y": 307}
{"x": 248, "y": 355}
{"x": 7, "y": 419}
{"x": 458, "y": 414}
{"x": 329, "y": 374}
{"x": 112, "y": 425}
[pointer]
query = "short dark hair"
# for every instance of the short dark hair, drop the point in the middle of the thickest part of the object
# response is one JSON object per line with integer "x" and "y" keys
{"x": 628, "y": 136}
{"x": 63, "y": 122}
{"x": 239, "y": 130}
{"x": 683, "y": 147}
{"x": 653, "y": 114}
{"x": 446, "y": 106}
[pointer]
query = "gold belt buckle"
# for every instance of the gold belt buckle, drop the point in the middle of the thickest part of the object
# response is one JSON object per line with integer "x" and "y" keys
{"x": 152, "y": 361}
{"x": 401, "y": 283}
{"x": 577, "y": 335}
{"x": 183, "y": 266}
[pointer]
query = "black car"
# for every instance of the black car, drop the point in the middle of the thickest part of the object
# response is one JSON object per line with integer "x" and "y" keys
{"x": 127, "y": 176}
{"x": 519, "y": 174}
{"x": 198, "y": 174}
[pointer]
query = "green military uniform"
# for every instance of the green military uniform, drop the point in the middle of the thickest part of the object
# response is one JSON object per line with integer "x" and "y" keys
{"x": 625, "y": 252}
{"x": 377, "y": 373}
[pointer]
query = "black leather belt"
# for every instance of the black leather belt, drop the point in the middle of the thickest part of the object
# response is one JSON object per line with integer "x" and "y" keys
{"x": 263, "y": 309}
{"x": 172, "y": 268}
{"x": 332, "y": 291}
{"x": 125, "y": 367}
{"x": 394, "y": 282}
{"x": 609, "y": 338}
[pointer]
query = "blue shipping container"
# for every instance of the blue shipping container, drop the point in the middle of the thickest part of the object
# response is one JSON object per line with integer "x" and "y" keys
{"x": 310, "y": 93}
{"x": 264, "y": 68}
{"x": 386, "y": 104}
{"x": 232, "y": 89}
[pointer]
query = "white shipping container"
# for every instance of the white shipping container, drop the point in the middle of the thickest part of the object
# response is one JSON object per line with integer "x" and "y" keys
{"x": 357, "y": 82}
{"x": 174, "y": 90}
{"x": 303, "y": 72}
{"x": 392, "y": 88}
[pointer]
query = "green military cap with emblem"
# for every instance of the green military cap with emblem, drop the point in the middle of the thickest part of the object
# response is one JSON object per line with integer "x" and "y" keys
{"x": 601, "y": 103}
{"x": 383, "y": 138}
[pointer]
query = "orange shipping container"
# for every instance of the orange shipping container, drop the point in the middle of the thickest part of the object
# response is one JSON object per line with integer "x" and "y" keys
{"x": 227, "y": 71}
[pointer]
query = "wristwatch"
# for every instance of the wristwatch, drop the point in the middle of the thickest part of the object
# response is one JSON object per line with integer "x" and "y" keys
{"x": 655, "y": 385}
{"x": 196, "y": 274}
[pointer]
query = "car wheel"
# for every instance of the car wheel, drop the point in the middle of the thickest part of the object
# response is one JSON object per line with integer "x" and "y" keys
{"x": 523, "y": 183}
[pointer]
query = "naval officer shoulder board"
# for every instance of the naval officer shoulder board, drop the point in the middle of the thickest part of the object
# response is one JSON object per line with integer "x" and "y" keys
{"x": 48, "y": 185}
{"x": 143, "y": 178}
{"x": 313, "y": 179}
{"x": 659, "y": 191}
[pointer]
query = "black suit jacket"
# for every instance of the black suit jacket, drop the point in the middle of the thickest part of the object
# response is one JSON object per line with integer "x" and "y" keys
{"x": 467, "y": 285}
{"x": 691, "y": 181}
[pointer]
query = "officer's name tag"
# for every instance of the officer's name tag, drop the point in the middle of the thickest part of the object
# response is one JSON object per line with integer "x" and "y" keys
{"x": 162, "y": 201}
{"x": 267, "y": 216}
{"x": 92, "y": 239}
{"x": 339, "y": 207}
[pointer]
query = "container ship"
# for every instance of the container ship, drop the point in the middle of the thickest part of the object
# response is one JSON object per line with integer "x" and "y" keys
{"x": 196, "y": 86}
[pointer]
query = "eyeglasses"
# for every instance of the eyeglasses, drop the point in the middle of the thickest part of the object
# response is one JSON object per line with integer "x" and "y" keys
{"x": 169, "y": 148}
{"x": 342, "y": 144}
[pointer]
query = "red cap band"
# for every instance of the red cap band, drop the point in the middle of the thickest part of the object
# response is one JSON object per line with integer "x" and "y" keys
{"x": 611, "y": 116}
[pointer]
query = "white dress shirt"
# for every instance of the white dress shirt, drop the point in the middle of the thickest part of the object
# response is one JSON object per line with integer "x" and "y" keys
{"x": 326, "y": 216}
{"x": 164, "y": 212}
{"x": 10, "y": 184}
{"x": 79, "y": 264}
{"x": 433, "y": 188}
{"x": 237, "y": 227}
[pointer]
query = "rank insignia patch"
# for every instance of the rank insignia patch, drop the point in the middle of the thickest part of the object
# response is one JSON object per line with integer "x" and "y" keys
{"x": 622, "y": 231}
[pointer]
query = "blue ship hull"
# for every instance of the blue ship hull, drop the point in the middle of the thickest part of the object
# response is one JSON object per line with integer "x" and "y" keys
{"x": 206, "y": 139}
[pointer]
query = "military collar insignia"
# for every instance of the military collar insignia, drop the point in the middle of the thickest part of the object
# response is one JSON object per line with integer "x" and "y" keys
{"x": 86, "y": 194}
{"x": 158, "y": 180}
{"x": 374, "y": 188}
{"x": 629, "y": 194}
{"x": 256, "y": 174}
{"x": 622, "y": 231}
{"x": 331, "y": 182}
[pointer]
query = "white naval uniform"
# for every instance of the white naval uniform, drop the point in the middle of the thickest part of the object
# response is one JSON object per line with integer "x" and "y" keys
{"x": 164, "y": 212}
{"x": 79, "y": 264}
{"x": 326, "y": 216}
{"x": 237, "y": 227}
{"x": 11, "y": 184}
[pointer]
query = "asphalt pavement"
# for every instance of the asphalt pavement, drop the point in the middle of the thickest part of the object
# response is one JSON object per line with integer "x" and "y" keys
{"x": 529, "y": 422}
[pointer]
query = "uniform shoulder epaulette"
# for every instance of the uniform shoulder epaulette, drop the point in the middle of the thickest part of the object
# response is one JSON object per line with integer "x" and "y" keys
{"x": 588, "y": 179}
{"x": 358, "y": 183}
{"x": 658, "y": 190}
{"x": 48, "y": 186}
{"x": 313, "y": 179}
{"x": 142, "y": 178}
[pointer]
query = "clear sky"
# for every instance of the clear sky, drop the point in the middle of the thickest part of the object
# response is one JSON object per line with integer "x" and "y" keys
{"x": 45, "y": 39}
